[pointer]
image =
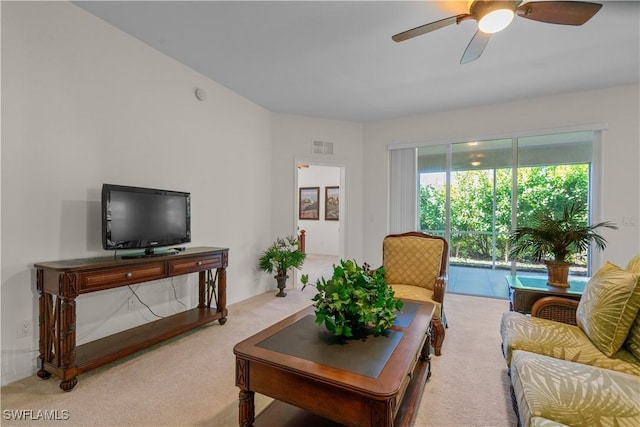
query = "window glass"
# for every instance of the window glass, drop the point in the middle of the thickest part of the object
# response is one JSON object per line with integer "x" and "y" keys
{"x": 466, "y": 191}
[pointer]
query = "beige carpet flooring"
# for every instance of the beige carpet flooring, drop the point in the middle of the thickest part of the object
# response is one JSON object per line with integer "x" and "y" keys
{"x": 189, "y": 380}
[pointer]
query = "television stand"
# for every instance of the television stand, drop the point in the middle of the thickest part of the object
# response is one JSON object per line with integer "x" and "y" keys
{"x": 59, "y": 283}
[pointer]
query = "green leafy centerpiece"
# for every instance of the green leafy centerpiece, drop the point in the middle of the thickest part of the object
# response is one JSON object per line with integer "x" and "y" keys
{"x": 355, "y": 300}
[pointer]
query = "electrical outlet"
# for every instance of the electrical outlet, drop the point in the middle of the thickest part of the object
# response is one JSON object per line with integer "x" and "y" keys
{"x": 131, "y": 303}
{"x": 25, "y": 329}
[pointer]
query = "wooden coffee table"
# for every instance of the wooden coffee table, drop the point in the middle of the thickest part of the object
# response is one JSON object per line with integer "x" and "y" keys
{"x": 318, "y": 379}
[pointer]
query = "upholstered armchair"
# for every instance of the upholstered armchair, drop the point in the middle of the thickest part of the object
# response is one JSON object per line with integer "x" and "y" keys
{"x": 415, "y": 266}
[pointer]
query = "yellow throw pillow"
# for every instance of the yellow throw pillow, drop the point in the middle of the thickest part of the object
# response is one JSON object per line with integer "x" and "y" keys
{"x": 634, "y": 264}
{"x": 633, "y": 340}
{"x": 608, "y": 307}
{"x": 606, "y": 268}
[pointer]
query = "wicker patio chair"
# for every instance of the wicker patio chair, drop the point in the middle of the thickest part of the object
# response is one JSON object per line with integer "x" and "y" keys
{"x": 556, "y": 308}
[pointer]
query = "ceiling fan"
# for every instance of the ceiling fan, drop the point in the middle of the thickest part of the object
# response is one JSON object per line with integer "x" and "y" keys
{"x": 495, "y": 15}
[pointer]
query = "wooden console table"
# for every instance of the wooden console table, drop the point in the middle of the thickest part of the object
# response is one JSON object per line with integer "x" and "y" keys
{"x": 60, "y": 282}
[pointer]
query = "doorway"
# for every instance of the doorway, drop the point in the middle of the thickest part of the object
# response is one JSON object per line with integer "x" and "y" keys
{"x": 320, "y": 211}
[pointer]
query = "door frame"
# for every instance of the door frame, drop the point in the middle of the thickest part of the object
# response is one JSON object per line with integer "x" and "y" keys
{"x": 311, "y": 161}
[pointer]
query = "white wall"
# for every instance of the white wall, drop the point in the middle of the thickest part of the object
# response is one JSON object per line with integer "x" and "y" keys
{"x": 84, "y": 104}
{"x": 619, "y": 107}
{"x": 292, "y": 139}
{"x": 321, "y": 235}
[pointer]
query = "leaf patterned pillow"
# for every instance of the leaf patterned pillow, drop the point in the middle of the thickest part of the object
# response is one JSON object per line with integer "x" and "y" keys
{"x": 634, "y": 264}
{"x": 633, "y": 340}
{"x": 606, "y": 268}
{"x": 608, "y": 307}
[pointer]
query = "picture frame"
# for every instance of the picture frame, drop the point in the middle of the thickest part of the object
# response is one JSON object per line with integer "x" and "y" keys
{"x": 332, "y": 203}
{"x": 309, "y": 203}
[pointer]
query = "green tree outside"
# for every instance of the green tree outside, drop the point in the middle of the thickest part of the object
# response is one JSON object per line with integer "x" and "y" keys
{"x": 546, "y": 188}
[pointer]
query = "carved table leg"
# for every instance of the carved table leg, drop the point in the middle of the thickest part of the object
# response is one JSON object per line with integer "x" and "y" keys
{"x": 65, "y": 331}
{"x": 45, "y": 325}
{"x": 67, "y": 339}
{"x": 246, "y": 408}
{"x": 222, "y": 294}
{"x": 425, "y": 354}
{"x": 202, "y": 286}
{"x": 69, "y": 384}
{"x": 45, "y": 375}
{"x": 246, "y": 405}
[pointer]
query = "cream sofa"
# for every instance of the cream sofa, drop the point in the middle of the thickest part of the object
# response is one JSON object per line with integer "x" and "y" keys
{"x": 585, "y": 372}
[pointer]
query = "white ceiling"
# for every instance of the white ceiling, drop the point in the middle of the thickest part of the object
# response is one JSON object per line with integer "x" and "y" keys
{"x": 336, "y": 59}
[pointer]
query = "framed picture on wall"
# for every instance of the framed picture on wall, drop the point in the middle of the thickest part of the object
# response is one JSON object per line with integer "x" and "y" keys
{"x": 309, "y": 204}
{"x": 332, "y": 203}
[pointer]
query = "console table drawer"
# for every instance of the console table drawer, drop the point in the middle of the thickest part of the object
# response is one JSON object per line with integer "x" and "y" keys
{"x": 191, "y": 265}
{"x": 105, "y": 279}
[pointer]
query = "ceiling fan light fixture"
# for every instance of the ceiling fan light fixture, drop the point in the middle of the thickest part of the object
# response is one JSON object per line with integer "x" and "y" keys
{"x": 493, "y": 15}
{"x": 495, "y": 21}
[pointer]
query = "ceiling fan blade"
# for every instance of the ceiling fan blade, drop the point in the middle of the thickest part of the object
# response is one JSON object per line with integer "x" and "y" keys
{"x": 559, "y": 12}
{"x": 476, "y": 47}
{"x": 427, "y": 28}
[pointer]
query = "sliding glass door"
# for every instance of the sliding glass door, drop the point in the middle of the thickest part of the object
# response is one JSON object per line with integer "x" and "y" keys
{"x": 480, "y": 200}
{"x": 553, "y": 172}
{"x": 474, "y": 193}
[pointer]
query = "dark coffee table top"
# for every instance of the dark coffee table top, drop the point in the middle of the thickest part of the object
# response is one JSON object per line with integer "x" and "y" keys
{"x": 307, "y": 340}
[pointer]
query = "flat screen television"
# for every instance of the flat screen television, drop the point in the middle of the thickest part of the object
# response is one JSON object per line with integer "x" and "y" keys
{"x": 144, "y": 218}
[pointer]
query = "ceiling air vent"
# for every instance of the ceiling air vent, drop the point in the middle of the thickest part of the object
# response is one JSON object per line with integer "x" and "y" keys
{"x": 321, "y": 147}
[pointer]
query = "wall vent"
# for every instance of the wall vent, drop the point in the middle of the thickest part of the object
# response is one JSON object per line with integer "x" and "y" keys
{"x": 322, "y": 147}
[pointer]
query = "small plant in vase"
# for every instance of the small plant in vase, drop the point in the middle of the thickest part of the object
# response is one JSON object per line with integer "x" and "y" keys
{"x": 558, "y": 236}
{"x": 354, "y": 300}
{"x": 280, "y": 257}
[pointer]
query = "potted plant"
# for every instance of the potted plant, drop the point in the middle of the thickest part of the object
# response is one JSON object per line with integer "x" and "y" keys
{"x": 354, "y": 301}
{"x": 281, "y": 256}
{"x": 560, "y": 237}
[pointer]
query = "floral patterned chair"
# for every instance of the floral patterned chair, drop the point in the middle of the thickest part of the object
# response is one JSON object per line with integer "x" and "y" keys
{"x": 415, "y": 266}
